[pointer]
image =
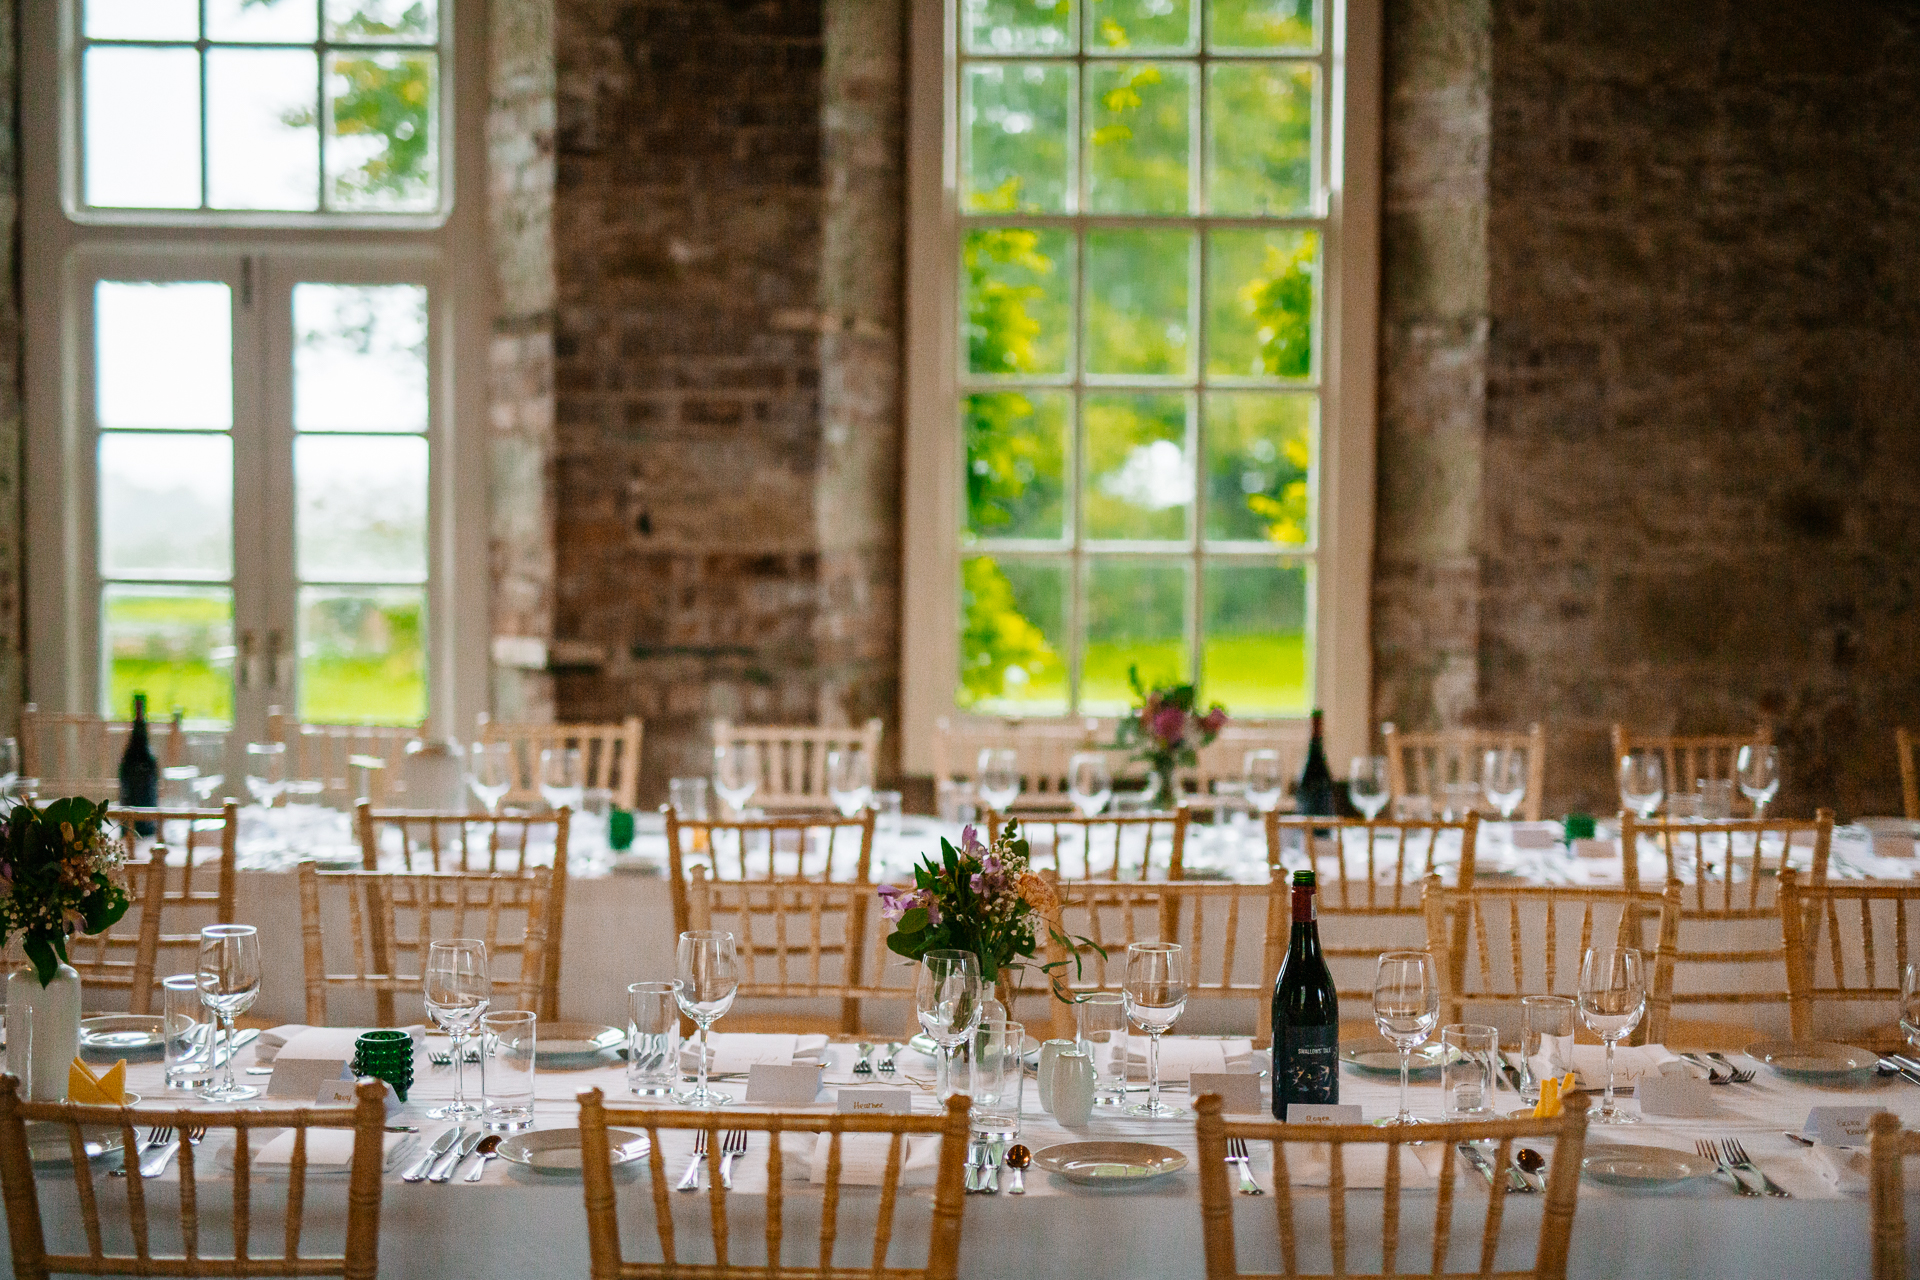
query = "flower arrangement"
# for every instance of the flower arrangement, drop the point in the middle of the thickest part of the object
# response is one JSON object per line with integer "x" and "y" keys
{"x": 59, "y": 875}
{"x": 1167, "y": 729}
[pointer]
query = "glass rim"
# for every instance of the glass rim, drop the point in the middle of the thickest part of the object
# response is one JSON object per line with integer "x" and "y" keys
{"x": 1101, "y": 997}
{"x": 509, "y": 1017}
{"x": 941, "y": 953}
{"x": 1478, "y": 1031}
{"x": 653, "y": 988}
{"x": 1547, "y": 1001}
{"x": 229, "y": 931}
{"x": 1405, "y": 955}
{"x": 1159, "y": 948}
{"x": 456, "y": 942}
{"x": 705, "y": 935}
{"x": 180, "y": 982}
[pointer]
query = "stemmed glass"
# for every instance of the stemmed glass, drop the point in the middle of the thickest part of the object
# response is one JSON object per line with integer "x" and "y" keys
{"x": 229, "y": 978}
{"x": 709, "y": 977}
{"x": 736, "y": 774}
{"x": 458, "y": 989}
{"x": 1367, "y": 784}
{"x": 999, "y": 777}
{"x": 1406, "y": 1006}
{"x": 1156, "y": 993}
{"x": 1613, "y": 995}
{"x": 1264, "y": 781}
{"x": 1910, "y": 1004}
{"x": 946, "y": 996}
{"x": 266, "y": 771}
{"x": 1503, "y": 776}
{"x": 1642, "y": 782}
{"x": 1759, "y": 770}
{"x": 9, "y": 764}
{"x": 1089, "y": 782}
{"x": 849, "y": 780}
{"x": 490, "y": 772}
{"x": 561, "y": 784}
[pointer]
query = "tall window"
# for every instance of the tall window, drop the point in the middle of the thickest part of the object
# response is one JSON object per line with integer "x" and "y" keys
{"x": 1142, "y": 217}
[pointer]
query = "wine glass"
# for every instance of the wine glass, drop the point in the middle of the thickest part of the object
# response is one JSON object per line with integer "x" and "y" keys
{"x": 266, "y": 771}
{"x": 458, "y": 989}
{"x": 1367, "y": 784}
{"x": 1406, "y": 1007}
{"x": 1264, "y": 781}
{"x": 736, "y": 774}
{"x": 1759, "y": 770}
{"x": 849, "y": 780}
{"x": 1503, "y": 776}
{"x": 207, "y": 752}
{"x": 490, "y": 772}
{"x": 709, "y": 977}
{"x": 1642, "y": 782}
{"x": 946, "y": 996}
{"x": 561, "y": 784}
{"x": 1613, "y": 995}
{"x": 229, "y": 978}
{"x": 1089, "y": 782}
{"x": 1156, "y": 992}
{"x": 9, "y": 764}
{"x": 999, "y": 777}
{"x": 1910, "y": 1004}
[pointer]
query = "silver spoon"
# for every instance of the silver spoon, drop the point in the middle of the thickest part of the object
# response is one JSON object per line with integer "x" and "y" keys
{"x": 488, "y": 1148}
{"x": 1531, "y": 1163}
{"x": 1018, "y": 1158}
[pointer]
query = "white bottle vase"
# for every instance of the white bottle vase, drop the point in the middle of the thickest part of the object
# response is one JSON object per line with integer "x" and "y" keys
{"x": 43, "y": 1031}
{"x": 1073, "y": 1081}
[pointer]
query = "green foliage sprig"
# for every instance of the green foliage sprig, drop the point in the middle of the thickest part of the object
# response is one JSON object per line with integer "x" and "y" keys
{"x": 59, "y": 875}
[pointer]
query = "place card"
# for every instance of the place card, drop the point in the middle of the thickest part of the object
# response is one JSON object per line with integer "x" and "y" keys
{"x": 1590, "y": 848}
{"x": 789, "y": 1084}
{"x": 340, "y": 1092}
{"x": 876, "y": 1100}
{"x": 1324, "y": 1113}
{"x": 1840, "y": 1126}
{"x": 310, "y": 1059}
{"x": 1240, "y": 1091}
{"x": 1888, "y": 845}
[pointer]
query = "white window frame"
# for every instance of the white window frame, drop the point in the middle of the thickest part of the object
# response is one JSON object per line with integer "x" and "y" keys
{"x": 1344, "y": 497}
{"x": 66, "y": 246}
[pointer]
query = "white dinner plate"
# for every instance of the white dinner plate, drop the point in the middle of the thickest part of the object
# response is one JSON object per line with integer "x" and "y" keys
{"x": 575, "y": 1044}
{"x": 48, "y": 1144}
{"x": 1109, "y": 1164}
{"x": 558, "y": 1150}
{"x": 1623, "y": 1165}
{"x": 122, "y": 1033}
{"x": 1378, "y": 1057}
{"x": 1816, "y": 1061}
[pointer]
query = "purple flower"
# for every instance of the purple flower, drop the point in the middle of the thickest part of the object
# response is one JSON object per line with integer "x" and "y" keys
{"x": 970, "y": 845}
{"x": 1169, "y": 725}
{"x": 991, "y": 880}
{"x": 896, "y": 902}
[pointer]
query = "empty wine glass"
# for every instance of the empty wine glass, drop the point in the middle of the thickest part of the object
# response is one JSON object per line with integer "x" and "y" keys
{"x": 229, "y": 979}
{"x": 9, "y": 764}
{"x": 1759, "y": 769}
{"x": 1910, "y": 1004}
{"x": 849, "y": 780}
{"x": 736, "y": 774}
{"x": 946, "y": 998}
{"x": 207, "y": 752}
{"x": 562, "y": 785}
{"x": 1406, "y": 1007}
{"x": 709, "y": 976}
{"x": 999, "y": 777}
{"x": 1613, "y": 995}
{"x": 457, "y": 989}
{"x": 1642, "y": 782}
{"x": 266, "y": 771}
{"x": 1503, "y": 776}
{"x": 1265, "y": 782}
{"x": 1367, "y": 784}
{"x": 1156, "y": 992}
{"x": 490, "y": 772}
{"x": 1089, "y": 782}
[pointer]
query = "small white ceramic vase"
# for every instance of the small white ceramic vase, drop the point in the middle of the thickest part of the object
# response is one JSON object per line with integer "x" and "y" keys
{"x": 43, "y": 1031}
{"x": 1049, "y": 1052}
{"x": 1073, "y": 1079}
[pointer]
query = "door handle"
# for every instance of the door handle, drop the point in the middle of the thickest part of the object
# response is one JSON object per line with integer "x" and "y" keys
{"x": 275, "y": 659}
{"x": 247, "y": 675}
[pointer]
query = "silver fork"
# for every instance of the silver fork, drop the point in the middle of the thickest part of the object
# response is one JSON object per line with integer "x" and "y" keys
{"x": 1711, "y": 1151}
{"x": 1737, "y": 1157}
{"x": 732, "y": 1143}
{"x": 980, "y": 1165}
{"x": 886, "y": 1063}
{"x": 1241, "y": 1163}
{"x": 155, "y": 1136}
{"x": 1741, "y": 1075}
{"x": 690, "y": 1181}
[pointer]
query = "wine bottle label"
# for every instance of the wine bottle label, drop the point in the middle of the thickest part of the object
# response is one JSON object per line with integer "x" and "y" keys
{"x": 1306, "y": 1066}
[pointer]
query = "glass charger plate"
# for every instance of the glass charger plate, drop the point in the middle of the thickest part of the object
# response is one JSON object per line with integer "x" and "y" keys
{"x": 558, "y": 1150}
{"x": 1623, "y": 1165}
{"x": 47, "y": 1141}
{"x": 1378, "y": 1057}
{"x": 576, "y": 1044}
{"x": 1096, "y": 1164}
{"x": 125, "y": 1033}
{"x": 923, "y": 1044}
{"x": 1815, "y": 1061}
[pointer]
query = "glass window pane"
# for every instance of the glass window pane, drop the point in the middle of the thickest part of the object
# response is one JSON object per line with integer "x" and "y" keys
{"x": 361, "y": 508}
{"x": 1137, "y": 291}
{"x": 1136, "y": 612}
{"x": 1261, "y": 299}
{"x": 1018, "y": 281}
{"x": 1139, "y": 475}
{"x": 1260, "y": 154}
{"x": 381, "y": 110}
{"x": 1138, "y": 118}
{"x": 142, "y": 19}
{"x": 142, "y": 128}
{"x": 362, "y": 655}
{"x": 360, "y": 357}
{"x": 1013, "y": 630}
{"x": 263, "y": 145}
{"x": 1016, "y": 464}
{"x": 1018, "y": 26}
{"x": 276, "y": 21}
{"x": 1016, "y": 120}
{"x": 1259, "y": 467}
{"x": 386, "y": 21}
{"x": 1260, "y": 24}
{"x": 166, "y": 505}
{"x": 1140, "y": 24}
{"x": 163, "y": 354}
{"x": 1256, "y": 655}
{"x": 173, "y": 644}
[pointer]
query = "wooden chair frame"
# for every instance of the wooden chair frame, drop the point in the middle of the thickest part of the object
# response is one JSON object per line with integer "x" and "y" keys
{"x": 27, "y": 1235}
{"x": 609, "y": 756}
{"x": 1225, "y": 758}
{"x": 1567, "y": 1132}
{"x": 226, "y": 870}
{"x": 1888, "y": 1147}
{"x": 603, "y": 1221}
{"x": 476, "y": 900}
{"x": 94, "y": 956}
{"x": 1806, "y": 910}
{"x": 80, "y": 754}
{"x": 793, "y": 759}
{"x": 1420, "y": 761}
{"x": 1687, "y": 757}
{"x": 1175, "y": 820}
{"x": 1046, "y": 748}
{"x": 331, "y": 753}
{"x": 1909, "y": 775}
{"x": 706, "y": 840}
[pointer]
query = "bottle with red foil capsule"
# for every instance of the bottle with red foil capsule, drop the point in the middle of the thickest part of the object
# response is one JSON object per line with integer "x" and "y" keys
{"x": 1306, "y": 1013}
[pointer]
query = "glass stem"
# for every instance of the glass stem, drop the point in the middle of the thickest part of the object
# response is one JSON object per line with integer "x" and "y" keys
{"x": 459, "y": 1039}
{"x": 943, "y": 1074}
{"x": 1153, "y": 1071}
{"x": 227, "y": 1082}
{"x": 1406, "y": 1066}
{"x": 1606, "y": 1104}
{"x": 700, "y": 1089}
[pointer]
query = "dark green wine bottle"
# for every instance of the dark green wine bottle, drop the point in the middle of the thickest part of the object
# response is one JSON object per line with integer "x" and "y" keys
{"x": 1315, "y": 793}
{"x": 1306, "y": 1013}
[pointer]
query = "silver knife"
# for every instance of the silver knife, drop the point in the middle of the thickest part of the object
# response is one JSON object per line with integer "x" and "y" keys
{"x": 453, "y": 1158}
{"x": 226, "y": 1051}
{"x": 1478, "y": 1160}
{"x": 402, "y": 1150}
{"x": 1513, "y": 1073}
{"x": 1907, "y": 1073}
{"x": 418, "y": 1170}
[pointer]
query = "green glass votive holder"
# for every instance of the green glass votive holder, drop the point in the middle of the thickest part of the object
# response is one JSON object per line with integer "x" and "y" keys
{"x": 1579, "y": 826}
{"x": 620, "y": 829}
{"x": 387, "y": 1056}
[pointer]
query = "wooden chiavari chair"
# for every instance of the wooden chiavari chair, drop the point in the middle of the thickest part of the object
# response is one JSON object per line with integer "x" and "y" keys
{"x": 1888, "y": 1148}
{"x": 358, "y": 1261}
{"x": 603, "y": 1217}
{"x": 1567, "y": 1132}
{"x": 80, "y": 754}
{"x": 192, "y": 832}
{"x": 1852, "y": 965}
{"x": 1729, "y": 873}
{"x": 1045, "y": 750}
{"x": 378, "y": 904}
{"x": 1225, "y": 758}
{"x": 1103, "y": 847}
{"x": 126, "y": 956}
{"x": 1909, "y": 776}
{"x": 1422, "y": 762}
{"x": 1494, "y": 945}
{"x": 767, "y": 849}
{"x": 793, "y": 759}
{"x": 1690, "y": 757}
{"x": 609, "y": 756}
{"x": 334, "y": 753}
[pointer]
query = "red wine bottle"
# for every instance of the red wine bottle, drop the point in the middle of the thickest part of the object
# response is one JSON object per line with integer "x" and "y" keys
{"x": 1306, "y": 1013}
{"x": 1315, "y": 793}
{"x": 139, "y": 771}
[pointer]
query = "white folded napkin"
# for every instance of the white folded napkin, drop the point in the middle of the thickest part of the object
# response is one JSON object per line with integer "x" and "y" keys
{"x": 1845, "y": 1169}
{"x": 1181, "y": 1056}
{"x": 1310, "y": 1164}
{"x": 326, "y": 1148}
{"x": 736, "y": 1051}
{"x": 271, "y": 1042}
{"x": 1630, "y": 1062}
{"x": 863, "y": 1158}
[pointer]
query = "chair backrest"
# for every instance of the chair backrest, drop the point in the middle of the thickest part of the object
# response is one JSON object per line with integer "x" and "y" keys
{"x": 1495, "y": 945}
{"x": 1225, "y": 758}
{"x": 125, "y": 956}
{"x": 1888, "y": 1147}
{"x": 1846, "y": 946}
{"x": 1046, "y": 748}
{"x": 507, "y": 911}
{"x": 1129, "y": 846}
{"x": 609, "y": 756}
{"x": 80, "y": 754}
{"x": 334, "y": 753}
{"x": 669, "y": 1133}
{"x": 1422, "y": 762}
{"x": 1909, "y": 776}
{"x": 358, "y": 1261}
{"x": 193, "y": 833}
{"x": 1379, "y": 1228}
{"x": 793, "y": 759}
{"x": 1689, "y": 757}
{"x": 770, "y": 849}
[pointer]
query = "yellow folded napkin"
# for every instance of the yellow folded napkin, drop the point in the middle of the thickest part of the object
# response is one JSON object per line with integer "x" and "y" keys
{"x": 1551, "y": 1091}
{"x": 109, "y": 1090}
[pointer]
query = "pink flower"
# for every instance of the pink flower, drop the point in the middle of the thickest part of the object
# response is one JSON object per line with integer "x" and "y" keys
{"x": 1169, "y": 725}
{"x": 1213, "y": 721}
